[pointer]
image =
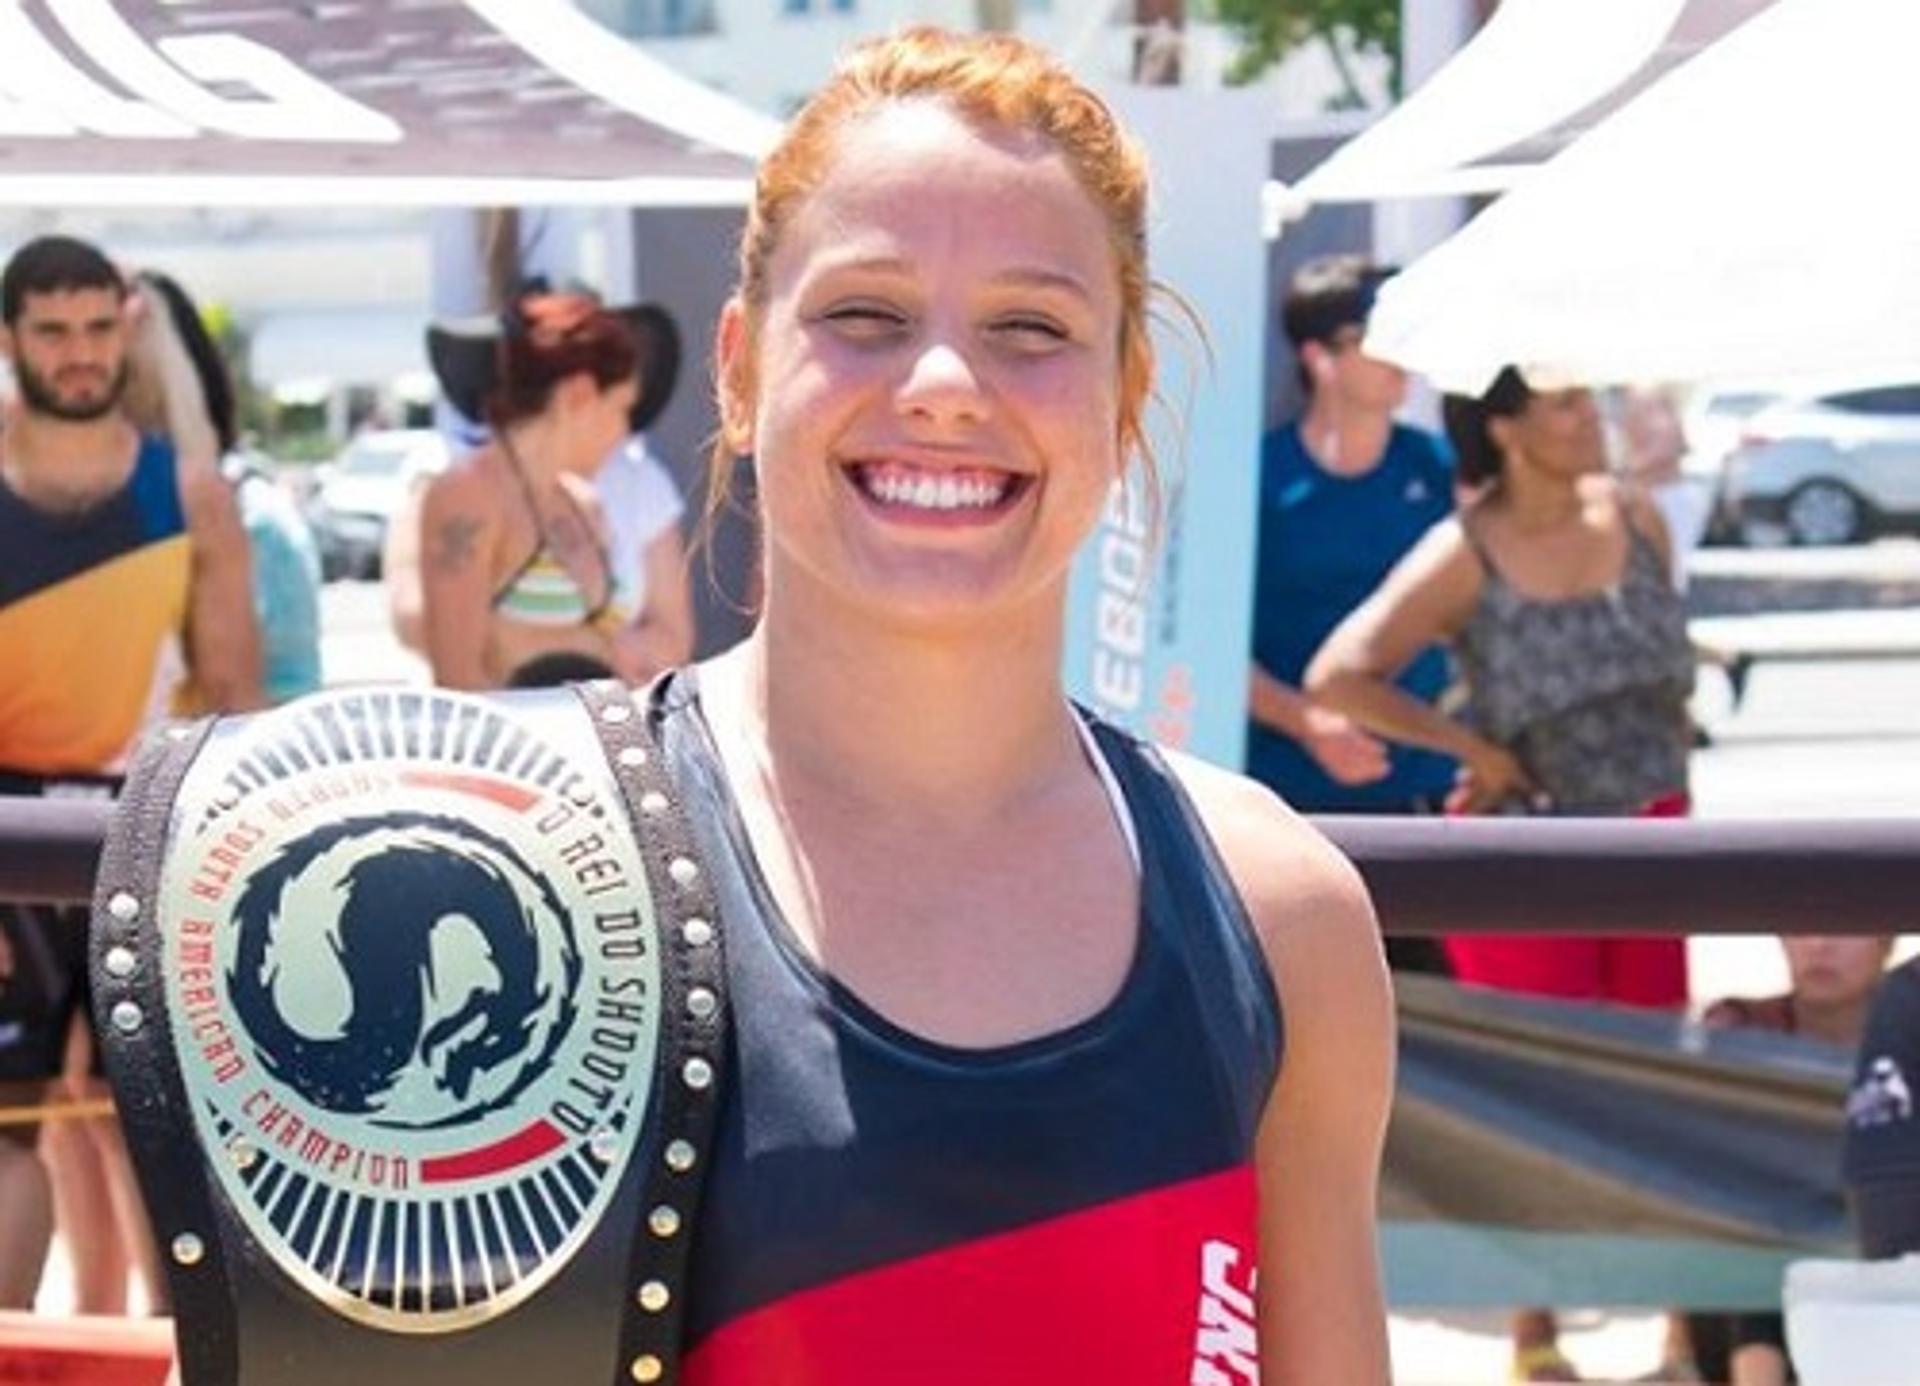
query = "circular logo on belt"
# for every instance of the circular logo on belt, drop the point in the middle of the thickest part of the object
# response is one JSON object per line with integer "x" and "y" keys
{"x": 412, "y": 974}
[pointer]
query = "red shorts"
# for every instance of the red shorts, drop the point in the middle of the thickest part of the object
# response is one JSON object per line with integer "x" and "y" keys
{"x": 1634, "y": 971}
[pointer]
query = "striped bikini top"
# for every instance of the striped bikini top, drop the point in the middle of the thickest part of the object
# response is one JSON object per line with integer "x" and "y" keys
{"x": 542, "y": 591}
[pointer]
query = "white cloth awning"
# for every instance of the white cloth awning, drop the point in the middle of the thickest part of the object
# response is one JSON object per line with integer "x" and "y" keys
{"x": 1749, "y": 216}
{"x": 430, "y": 103}
{"x": 1536, "y": 75}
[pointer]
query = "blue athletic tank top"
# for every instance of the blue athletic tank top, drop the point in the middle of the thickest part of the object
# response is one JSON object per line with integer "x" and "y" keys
{"x": 1079, "y": 1207}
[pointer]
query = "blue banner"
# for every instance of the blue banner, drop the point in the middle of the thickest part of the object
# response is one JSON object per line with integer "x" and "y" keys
{"x": 1159, "y": 622}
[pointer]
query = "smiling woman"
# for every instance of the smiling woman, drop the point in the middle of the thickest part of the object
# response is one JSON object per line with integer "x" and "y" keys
{"x": 1007, "y": 982}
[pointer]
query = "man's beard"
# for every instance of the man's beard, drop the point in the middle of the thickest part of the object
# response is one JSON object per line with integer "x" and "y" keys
{"x": 39, "y": 395}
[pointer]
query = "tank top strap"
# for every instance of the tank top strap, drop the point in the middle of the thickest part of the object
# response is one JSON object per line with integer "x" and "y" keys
{"x": 1190, "y": 902}
{"x": 1489, "y": 570}
{"x": 1643, "y": 555}
{"x": 155, "y": 488}
{"x": 1116, "y": 797}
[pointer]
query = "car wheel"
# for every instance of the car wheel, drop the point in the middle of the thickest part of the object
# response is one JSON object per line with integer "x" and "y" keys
{"x": 1762, "y": 534}
{"x": 1824, "y": 512}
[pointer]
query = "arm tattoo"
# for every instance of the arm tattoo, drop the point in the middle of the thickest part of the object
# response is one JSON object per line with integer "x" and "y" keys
{"x": 454, "y": 543}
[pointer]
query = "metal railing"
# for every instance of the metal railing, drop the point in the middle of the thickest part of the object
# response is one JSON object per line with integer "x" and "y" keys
{"x": 1427, "y": 875}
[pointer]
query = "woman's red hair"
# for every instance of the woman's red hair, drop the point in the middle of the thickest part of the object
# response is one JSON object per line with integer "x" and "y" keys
{"x": 550, "y": 337}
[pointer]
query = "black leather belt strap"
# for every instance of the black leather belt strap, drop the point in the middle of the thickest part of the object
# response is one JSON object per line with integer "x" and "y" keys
{"x": 469, "y": 1175}
{"x": 135, "y": 1036}
{"x": 693, "y": 1041}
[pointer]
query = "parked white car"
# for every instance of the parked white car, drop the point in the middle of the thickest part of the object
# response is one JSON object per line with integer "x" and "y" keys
{"x": 1834, "y": 469}
{"x": 360, "y": 491}
{"x": 1713, "y": 422}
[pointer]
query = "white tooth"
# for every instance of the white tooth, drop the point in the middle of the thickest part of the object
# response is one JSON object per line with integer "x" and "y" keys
{"x": 928, "y": 492}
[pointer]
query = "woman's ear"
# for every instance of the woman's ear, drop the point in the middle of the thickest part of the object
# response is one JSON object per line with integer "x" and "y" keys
{"x": 1501, "y": 433}
{"x": 733, "y": 378}
{"x": 1317, "y": 362}
{"x": 574, "y": 391}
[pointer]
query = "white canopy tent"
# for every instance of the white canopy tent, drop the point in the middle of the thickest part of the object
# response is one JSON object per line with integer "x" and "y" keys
{"x": 1750, "y": 216}
{"x": 431, "y": 103}
{"x": 1535, "y": 76}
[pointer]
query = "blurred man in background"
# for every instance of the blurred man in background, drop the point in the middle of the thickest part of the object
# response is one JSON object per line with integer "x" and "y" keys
{"x": 124, "y": 558}
{"x": 1345, "y": 491}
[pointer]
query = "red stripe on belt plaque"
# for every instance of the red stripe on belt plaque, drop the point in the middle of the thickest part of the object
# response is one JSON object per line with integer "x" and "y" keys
{"x": 528, "y": 1144}
{"x": 511, "y": 796}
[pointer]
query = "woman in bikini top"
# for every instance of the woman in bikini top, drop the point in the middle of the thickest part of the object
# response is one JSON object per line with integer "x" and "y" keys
{"x": 517, "y": 581}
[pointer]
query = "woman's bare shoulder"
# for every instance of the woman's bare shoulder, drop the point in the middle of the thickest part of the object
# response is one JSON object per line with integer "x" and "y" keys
{"x": 1614, "y": 497}
{"x": 1301, "y": 893}
{"x": 1447, "y": 551}
{"x": 582, "y": 491}
{"x": 469, "y": 485}
{"x": 480, "y": 467}
{"x": 1627, "y": 504}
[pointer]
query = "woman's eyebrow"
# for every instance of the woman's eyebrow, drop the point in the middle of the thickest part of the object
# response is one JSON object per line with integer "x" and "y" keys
{"x": 868, "y": 264}
{"x": 1035, "y": 277}
{"x": 1018, "y": 276}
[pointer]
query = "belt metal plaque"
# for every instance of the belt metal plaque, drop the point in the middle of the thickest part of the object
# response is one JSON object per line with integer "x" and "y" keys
{"x": 412, "y": 1003}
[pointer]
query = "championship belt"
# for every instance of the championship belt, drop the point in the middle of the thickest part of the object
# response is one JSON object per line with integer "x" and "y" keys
{"x": 411, "y": 1001}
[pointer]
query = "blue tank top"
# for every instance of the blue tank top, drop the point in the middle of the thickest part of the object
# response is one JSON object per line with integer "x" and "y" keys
{"x": 886, "y": 1209}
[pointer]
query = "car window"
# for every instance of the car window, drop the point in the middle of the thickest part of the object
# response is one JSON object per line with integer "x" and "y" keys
{"x": 1738, "y": 405}
{"x": 1888, "y": 399}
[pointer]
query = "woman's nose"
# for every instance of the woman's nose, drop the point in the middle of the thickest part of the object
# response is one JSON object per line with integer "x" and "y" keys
{"x": 942, "y": 387}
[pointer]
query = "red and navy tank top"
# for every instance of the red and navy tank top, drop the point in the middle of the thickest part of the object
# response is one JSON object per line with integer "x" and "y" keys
{"x": 883, "y": 1209}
